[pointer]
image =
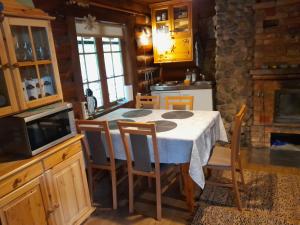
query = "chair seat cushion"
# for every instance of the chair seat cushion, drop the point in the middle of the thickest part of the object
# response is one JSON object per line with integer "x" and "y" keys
{"x": 221, "y": 156}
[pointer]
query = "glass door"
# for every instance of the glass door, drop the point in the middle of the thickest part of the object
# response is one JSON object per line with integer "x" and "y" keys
{"x": 182, "y": 20}
{"x": 8, "y": 103}
{"x": 34, "y": 61}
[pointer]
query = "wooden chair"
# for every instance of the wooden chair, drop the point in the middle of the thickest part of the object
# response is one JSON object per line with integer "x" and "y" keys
{"x": 142, "y": 166}
{"x": 228, "y": 158}
{"x": 179, "y": 102}
{"x": 97, "y": 141}
{"x": 147, "y": 102}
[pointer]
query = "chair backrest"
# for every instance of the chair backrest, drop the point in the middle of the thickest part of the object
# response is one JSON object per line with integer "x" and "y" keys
{"x": 97, "y": 141}
{"x": 147, "y": 102}
{"x": 180, "y": 102}
{"x": 138, "y": 135}
{"x": 236, "y": 135}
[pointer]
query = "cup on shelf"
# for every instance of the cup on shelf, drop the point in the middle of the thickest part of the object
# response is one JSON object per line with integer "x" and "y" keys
{"x": 48, "y": 85}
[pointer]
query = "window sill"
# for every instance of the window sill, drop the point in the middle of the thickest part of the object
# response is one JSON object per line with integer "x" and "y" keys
{"x": 122, "y": 104}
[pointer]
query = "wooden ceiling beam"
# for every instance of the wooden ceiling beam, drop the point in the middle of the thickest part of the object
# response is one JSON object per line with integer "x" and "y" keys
{"x": 140, "y": 10}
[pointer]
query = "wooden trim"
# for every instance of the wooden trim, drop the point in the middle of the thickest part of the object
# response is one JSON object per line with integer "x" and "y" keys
{"x": 172, "y": 2}
{"x": 102, "y": 71}
{"x": 8, "y": 81}
{"x": 100, "y": 5}
{"x": 13, "y": 8}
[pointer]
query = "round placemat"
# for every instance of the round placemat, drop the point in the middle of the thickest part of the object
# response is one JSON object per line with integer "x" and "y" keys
{"x": 113, "y": 123}
{"x": 177, "y": 114}
{"x": 137, "y": 113}
{"x": 164, "y": 125}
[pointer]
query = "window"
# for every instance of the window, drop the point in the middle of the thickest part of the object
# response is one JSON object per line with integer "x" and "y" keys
{"x": 89, "y": 65}
{"x": 114, "y": 68}
{"x": 101, "y": 63}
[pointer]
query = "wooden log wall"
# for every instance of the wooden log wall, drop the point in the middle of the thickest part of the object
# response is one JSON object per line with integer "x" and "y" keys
{"x": 147, "y": 72}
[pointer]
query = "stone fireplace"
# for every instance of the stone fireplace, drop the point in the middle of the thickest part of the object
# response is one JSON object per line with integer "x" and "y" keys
{"x": 276, "y": 73}
{"x": 276, "y": 105}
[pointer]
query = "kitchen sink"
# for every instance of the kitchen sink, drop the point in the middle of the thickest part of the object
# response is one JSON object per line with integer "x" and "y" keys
{"x": 176, "y": 85}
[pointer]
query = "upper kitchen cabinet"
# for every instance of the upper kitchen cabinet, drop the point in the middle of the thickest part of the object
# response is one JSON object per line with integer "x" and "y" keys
{"x": 172, "y": 31}
{"x": 31, "y": 55}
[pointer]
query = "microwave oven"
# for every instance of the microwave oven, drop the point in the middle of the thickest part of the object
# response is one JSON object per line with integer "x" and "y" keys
{"x": 34, "y": 131}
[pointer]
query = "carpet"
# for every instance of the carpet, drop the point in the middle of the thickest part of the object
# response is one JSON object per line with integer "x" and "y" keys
{"x": 268, "y": 199}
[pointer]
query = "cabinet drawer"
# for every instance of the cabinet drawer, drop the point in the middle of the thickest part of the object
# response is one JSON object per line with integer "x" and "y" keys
{"x": 62, "y": 155}
{"x": 13, "y": 182}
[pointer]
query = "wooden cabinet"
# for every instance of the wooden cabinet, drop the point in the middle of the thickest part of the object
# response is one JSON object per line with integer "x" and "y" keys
{"x": 57, "y": 194}
{"x": 25, "y": 205}
{"x": 30, "y": 68}
{"x": 172, "y": 31}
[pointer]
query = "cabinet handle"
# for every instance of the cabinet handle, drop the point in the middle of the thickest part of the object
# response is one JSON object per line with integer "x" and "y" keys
{"x": 51, "y": 210}
{"x": 15, "y": 66}
{"x": 17, "y": 182}
{"x": 64, "y": 156}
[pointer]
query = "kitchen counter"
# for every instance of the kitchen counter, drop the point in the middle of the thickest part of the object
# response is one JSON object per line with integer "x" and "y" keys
{"x": 171, "y": 86}
{"x": 203, "y": 92}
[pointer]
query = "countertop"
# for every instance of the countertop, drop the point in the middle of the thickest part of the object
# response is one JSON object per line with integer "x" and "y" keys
{"x": 181, "y": 86}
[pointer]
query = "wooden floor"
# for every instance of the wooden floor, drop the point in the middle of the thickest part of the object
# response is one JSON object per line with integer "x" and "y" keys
{"x": 174, "y": 208}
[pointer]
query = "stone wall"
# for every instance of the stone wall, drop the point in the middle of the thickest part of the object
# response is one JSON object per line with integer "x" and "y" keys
{"x": 234, "y": 24}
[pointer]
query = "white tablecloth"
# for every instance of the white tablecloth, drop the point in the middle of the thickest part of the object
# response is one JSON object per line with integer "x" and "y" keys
{"x": 191, "y": 141}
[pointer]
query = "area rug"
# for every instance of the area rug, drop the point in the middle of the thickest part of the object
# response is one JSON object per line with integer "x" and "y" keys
{"x": 269, "y": 199}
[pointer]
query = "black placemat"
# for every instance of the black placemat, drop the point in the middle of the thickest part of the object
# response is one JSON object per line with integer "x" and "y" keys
{"x": 177, "y": 114}
{"x": 137, "y": 113}
{"x": 113, "y": 123}
{"x": 164, "y": 125}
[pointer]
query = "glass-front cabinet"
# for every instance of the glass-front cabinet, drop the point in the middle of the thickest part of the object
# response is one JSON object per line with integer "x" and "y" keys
{"x": 33, "y": 61}
{"x": 172, "y": 31}
{"x": 8, "y": 101}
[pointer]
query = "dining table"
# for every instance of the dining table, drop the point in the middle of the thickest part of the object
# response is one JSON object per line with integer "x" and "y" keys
{"x": 183, "y": 137}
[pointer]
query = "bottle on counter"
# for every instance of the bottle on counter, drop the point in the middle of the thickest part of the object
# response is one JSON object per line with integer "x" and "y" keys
{"x": 188, "y": 75}
{"x": 194, "y": 76}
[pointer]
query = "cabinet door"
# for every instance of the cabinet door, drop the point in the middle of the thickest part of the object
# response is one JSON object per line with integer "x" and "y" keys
{"x": 26, "y": 205}
{"x": 182, "y": 20}
{"x": 34, "y": 64}
{"x": 8, "y": 101}
{"x": 203, "y": 98}
{"x": 161, "y": 33}
{"x": 69, "y": 184}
